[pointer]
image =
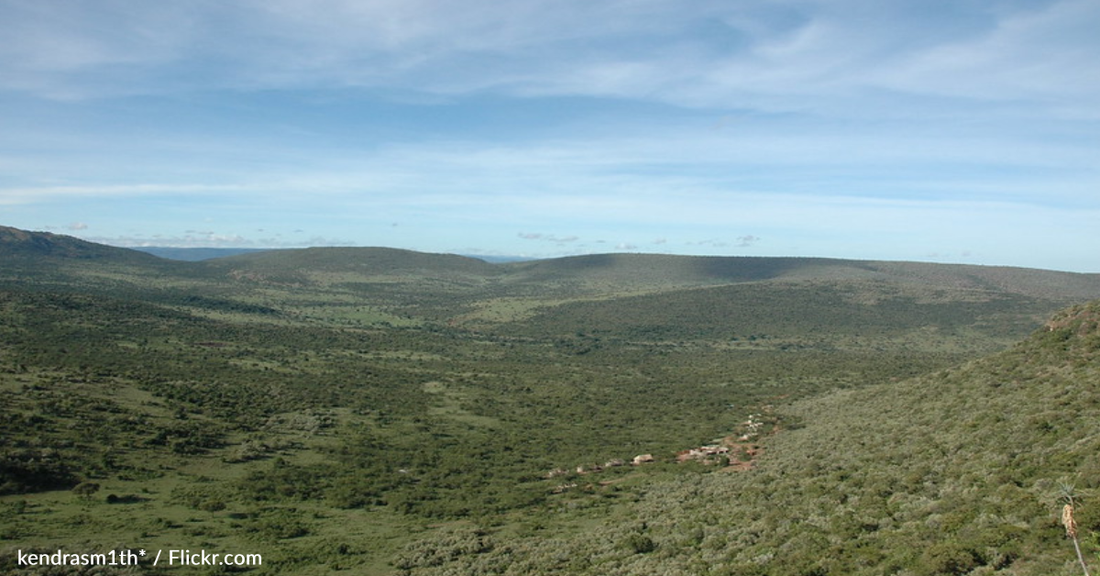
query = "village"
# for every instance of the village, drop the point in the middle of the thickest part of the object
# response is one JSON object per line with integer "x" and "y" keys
{"x": 733, "y": 453}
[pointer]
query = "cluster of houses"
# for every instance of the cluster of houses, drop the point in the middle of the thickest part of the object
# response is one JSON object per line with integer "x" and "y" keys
{"x": 752, "y": 428}
{"x": 594, "y": 468}
{"x": 720, "y": 453}
{"x": 708, "y": 454}
{"x": 737, "y": 454}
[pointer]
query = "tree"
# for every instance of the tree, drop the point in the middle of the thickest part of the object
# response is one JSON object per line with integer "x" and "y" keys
{"x": 86, "y": 490}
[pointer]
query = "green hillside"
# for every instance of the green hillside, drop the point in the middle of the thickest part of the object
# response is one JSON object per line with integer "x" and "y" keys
{"x": 648, "y": 271}
{"x": 380, "y": 411}
{"x": 19, "y": 246}
{"x": 819, "y": 313}
{"x": 963, "y": 471}
{"x": 366, "y": 262}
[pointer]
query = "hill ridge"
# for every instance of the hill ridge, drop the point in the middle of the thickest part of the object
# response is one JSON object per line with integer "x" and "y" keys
{"x": 588, "y": 273}
{"x": 17, "y": 243}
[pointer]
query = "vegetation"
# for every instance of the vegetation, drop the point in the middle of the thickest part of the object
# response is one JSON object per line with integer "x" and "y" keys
{"x": 388, "y": 412}
{"x": 956, "y": 472}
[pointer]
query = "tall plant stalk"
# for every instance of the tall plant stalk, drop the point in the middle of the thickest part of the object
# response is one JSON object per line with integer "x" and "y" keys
{"x": 1071, "y": 525}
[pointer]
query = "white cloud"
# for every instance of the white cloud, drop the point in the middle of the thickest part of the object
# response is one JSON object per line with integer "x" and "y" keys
{"x": 210, "y": 239}
{"x": 1046, "y": 54}
{"x": 785, "y": 55}
{"x": 48, "y": 194}
{"x": 548, "y": 237}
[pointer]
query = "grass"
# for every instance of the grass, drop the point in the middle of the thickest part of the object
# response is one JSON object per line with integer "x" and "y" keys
{"x": 451, "y": 403}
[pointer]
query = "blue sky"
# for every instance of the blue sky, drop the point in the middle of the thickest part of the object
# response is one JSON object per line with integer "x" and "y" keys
{"x": 951, "y": 131}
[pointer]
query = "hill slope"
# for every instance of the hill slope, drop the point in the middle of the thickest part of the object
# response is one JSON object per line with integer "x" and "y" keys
{"x": 195, "y": 254}
{"x": 958, "y": 472}
{"x": 625, "y": 271}
{"x": 465, "y": 280}
{"x": 21, "y": 246}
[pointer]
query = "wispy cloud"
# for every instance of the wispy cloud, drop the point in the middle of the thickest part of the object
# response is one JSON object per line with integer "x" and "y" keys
{"x": 210, "y": 239}
{"x": 814, "y": 124}
{"x": 548, "y": 237}
{"x": 1043, "y": 53}
{"x": 25, "y": 195}
{"x": 747, "y": 240}
{"x": 777, "y": 55}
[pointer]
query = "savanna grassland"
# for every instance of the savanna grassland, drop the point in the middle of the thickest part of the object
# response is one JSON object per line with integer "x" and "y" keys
{"x": 378, "y": 411}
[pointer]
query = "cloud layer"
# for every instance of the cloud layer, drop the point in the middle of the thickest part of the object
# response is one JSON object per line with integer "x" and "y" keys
{"x": 783, "y": 54}
{"x": 845, "y": 128}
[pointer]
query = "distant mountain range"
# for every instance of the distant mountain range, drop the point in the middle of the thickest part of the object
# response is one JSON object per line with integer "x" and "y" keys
{"x": 596, "y": 272}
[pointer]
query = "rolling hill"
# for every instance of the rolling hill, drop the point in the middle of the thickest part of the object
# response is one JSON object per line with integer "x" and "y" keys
{"x": 602, "y": 274}
{"x": 381, "y": 411}
{"x": 20, "y": 245}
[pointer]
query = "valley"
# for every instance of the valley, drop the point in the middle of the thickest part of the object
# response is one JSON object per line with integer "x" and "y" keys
{"x": 380, "y": 411}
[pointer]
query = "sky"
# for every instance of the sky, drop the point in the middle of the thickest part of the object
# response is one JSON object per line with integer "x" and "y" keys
{"x": 963, "y": 131}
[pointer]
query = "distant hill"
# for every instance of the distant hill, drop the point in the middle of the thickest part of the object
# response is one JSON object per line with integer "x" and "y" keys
{"x": 194, "y": 254}
{"x": 569, "y": 276}
{"x": 348, "y": 266}
{"x": 649, "y": 270}
{"x": 500, "y": 259}
{"x": 635, "y": 296}
{"x": 662, "y": 269}
{"x": 16, "y": 244}
{"x": 199, "y": 254}
{"x": 684, "y": 297}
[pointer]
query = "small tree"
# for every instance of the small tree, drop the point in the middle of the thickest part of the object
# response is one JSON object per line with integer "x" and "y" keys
{"x": 86, "y": 490}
